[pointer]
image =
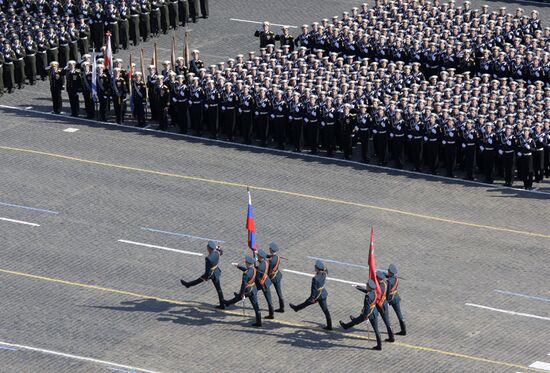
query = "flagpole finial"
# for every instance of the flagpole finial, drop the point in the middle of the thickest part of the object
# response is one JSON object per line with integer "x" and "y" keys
{"x": 247, "y": 188}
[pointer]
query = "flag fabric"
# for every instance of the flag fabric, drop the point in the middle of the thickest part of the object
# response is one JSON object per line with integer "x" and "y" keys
{"x": 173, "y": 53}
{"x": 131, "y": 75}
{"x": 250, "y": 225}
{"x": 108, "y": 56}
{"x": 372, "y": 265}
{"x": 94, "y": 77}
{"x": 186, "y": 48}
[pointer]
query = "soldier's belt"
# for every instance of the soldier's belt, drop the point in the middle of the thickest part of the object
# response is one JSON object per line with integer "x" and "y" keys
{"x": 134, "y": 15}
{"x": 263, "y": 113}
{"x": 246, "y": 111}
{"x": 30, "y": 55}
{"x": 540, "y": 149}
{"x": 113, "y": 23}
{"x": 470, "y": 144}
{"x": 400, "y": 135}
{"x": 297, "y": 118}
{"x": 54, "y": 48}
{"x": 41, "y": 52}
{"x": 212, "y": 104}
{"x": 432, "y": 139}
{"x": 527, "y": 154}
{"x": 83, "y": 37}
{"x": 417, "y": 137}
{"x": 20, "y": 59}
{"x": 64, "y": 45}
{"x": 450, "y": 142}
{"x": 196, "y": 102}
{"x": 363, "y": 129}
{"x": 230, "y": 107}
{"x": 489, "y": 149}
{"x": 279, "y": 116}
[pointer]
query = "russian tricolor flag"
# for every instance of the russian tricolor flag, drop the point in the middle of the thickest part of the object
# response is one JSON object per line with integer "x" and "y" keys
{"x": 250, "y": 225}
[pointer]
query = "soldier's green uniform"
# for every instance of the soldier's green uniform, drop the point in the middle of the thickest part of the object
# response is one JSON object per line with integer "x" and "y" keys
{"x": 393, "y": 298}
{"x": 248, "y": 289}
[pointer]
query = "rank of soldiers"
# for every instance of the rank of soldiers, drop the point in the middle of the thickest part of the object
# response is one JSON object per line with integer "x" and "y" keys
{"x": 259, "y": 274}
{"x": 34, "y": 33}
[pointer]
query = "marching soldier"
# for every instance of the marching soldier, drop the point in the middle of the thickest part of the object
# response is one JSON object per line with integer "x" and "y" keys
{"x": 263, "y": 282}
{"x": 506, "y": 150}
{"x": 64, "y": 38}
{"x": 120, "y": 91}
{"x": 53, "y": 45}
{"x": 248, "y": 289}
{"x": 275, "y": 275}
{"x": 164, "y": 16}
{"x": 261, "y": 116}
{"x": 246, "y": 107}
{"x": 155, "y": 17}
{"x": 369, "y": 312}
{"x": 211, "y": 271}
{"x": 382, "y": 304}
{"x": 139, "y": 97}
{"x": 393, "y": 297}
{"x": 73, "y": 82}
{"x": 318, "y": 293}
{"x": 56, "y": 86}
{"x": 487, "y": 147}
{"x": 266, "y": 36}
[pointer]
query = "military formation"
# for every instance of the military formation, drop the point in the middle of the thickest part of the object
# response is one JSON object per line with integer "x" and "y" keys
{"x": 262, "y": 270}
{"x": 35, "y": 33}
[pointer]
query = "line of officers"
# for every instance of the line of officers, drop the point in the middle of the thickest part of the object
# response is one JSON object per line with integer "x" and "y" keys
{"x": 49, "y": 32}
{"x": 264, "y": 270}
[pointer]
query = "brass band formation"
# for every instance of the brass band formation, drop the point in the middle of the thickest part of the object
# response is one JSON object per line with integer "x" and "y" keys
{"x": 423, "y": 84}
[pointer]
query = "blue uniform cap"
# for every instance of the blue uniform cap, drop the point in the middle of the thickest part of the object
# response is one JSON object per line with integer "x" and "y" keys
{"x": 393, "y": 269}
{"x": 273, "y": 247}
{"x": 261, "y": 253}
{"x": 212, "y": 244}
{"x": 249, "y": 260}
{"x": 371, "y": 284}
{"x": 320, "y": 265}
{"x": 380, "y": 274}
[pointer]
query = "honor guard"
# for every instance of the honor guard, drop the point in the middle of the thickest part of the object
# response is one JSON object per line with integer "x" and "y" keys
{"x": 380, "y": 135}
{"x": 431, "y": 143}
{"x": 263, "y": 281}
{"x": 196, "y": 100}
{"x": 56, "y": 86}
{"x": 318, "y": 293}
{"x": 279, "y": 119}
{"x": 525, "y": 147}
{"x": 212, "y": 102}
{"x": 9, "y": 58}
{"x": 42, "y": 47}
{"x": 369, "y": 312}
{"x": 228, "y": 110}
{"x": 30, "y": 58}
{"x": 87, "y": 91}
{"x": 540, "y": 140}
{"x": 382, "y": 304}
{"x": 124, "y": 17}
{"x": 261, "y": 116}
{"x": 97, "y": 26}
{"x": 73, "y": 82}
{"x": 84, "y": 35}
{"x": 19, "y": 63}
{"x": 248, "y": 289}
{"x": 349, "y": 129}
{"x": 397, "y": 135}
{"x": 139, "y": 98}
{"x": 120, "y": 91}
{"x": 488, "y": 150}
{"x": 163, "y": 102}
{"x": 181, "y": 97}
{"x": 393, "y": 297}
{"x": 312, "y": 123}
{"x": 104, "y": 91}
{"x": 469, "y": 140}
{"x": 285, "y": 38}
{"x": 449, "y": 142}
{"x": 364, "y": 124}
{"x": 506, "y": 150}
{"x": 211, "y": 271}
{"x": 275, "y": 275}
{"x": 296, "y": 118}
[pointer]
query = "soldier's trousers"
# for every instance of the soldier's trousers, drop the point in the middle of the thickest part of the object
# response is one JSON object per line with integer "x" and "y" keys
{"x": 204, "y": 8}
{"x": 526, "y": 163}
{"x": 217, "y": 285}
{"x": 74, "y": 102}
{"x": 279, "y": 126}
{"x": 262, "y": 126}
{"x": 380, "y": 144}
{"x": 103, "y": 103}
{"x": 73, "y": 50}
{"x": 155, "y": 21}
{"x": 41, "y": 64}
{"x": 267, "y": 294}
{"x": 164, "y": 18}
{"x": 364, "y": 138}
{"x": 313, "y": 133}
{"x": 508, "y": 161}
{"x": 83, "y": 45}
{"x": 538, "y": 164}
{"x": 397, "y": 150}
{"x": 194, "y": 8}
{"x": 432, "y": 152}
{"x": 1, "y": 80}
{"x": 383, "y": 312}
{"x": 112, "y": 27}
{"x": 19, "y": 71}
{"x": 163, "y": 118}
{"x": 489, "y": 165}
{"x": 120, "y": 109}
{"x": 229, "y": 122}
{"x": 144, "y": 26}
{"x": 329, "y": 139}
{"x": 56, "y": 100}
{"x": 195, "y": 113}
{"x": 279, "y": 290}
{"x": 30, "y": 68}
{"x": 416, "y": 150}
{"x": 9, "y": 79}
{"x": 183, "y": 10}
{"x": 373, "y": 319}
{"x": 347, "y": 144}
{"x": 124, "y": 33}
{"x": 139, "y": 111}
{"x": 253, "y": 300}
{"x": 174, "y": 14}
{"x": 547, "y": 161}
{"x": 297, "y": 126}
{"x": 89, "y": 105}
{"x": 322, "y": 304}
{"x": 396, "y": 305}
{"x": 450, "y": 158}
{"x": 469, "y": 160}
{"x": 181, "y": 116}
{"x": 134, "y": 28}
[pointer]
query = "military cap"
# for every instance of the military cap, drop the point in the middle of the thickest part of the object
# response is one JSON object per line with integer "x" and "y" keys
{"x": 212, "y": 244}
{"x": 249, "y": 260}
{"x": 371, "y": 284}
{"x": 393, "y": 269}
{"x": 261, "y": 253}
{"x": 320, "y": 265}
{"x": 380, "y": 274}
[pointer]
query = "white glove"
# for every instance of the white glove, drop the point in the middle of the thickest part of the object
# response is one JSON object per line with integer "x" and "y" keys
{"x": 443, "y": 142}
{"x": 322, "y": 124}
{"x": 451, "y": 134}
{"x": 256, "y": 113}
{"x": 223, "y": 107}
{"x": 374, "y": 131}
{"x": 425, "y": 138}
{"x": 433, "y": 130}
{"x": 398, "y": 128}
{"x": 481, "y": 148}
{"x": 240, "y": 110}
{"x": 519, "y": 154}
{"x": 206, "y": 106}
{"x": 508, "y": 143}
{"x": 173, "y": 99}
{"x": 272, "y": 116}
{"x": 190, "y": 102}
{"x": 383, "y": 125}
{"x": 410, "y": 136}
{"x": 356, "y": 128}
{"x": 527, "y": 146}
{"x": 290, "y": 117}
{"x": 280, "y": 108}
{"x": 246, "y": 104}
{"x": 471, "y": 137}
{"x": 391, "y": 135}
{"x": 306, "y": 120}
{"x": 490, "y": 141}
{"x": 500, "y": 152}
{"x": 416, "y": 128}
{"x": 463, "y": 145}
{"x": 331, "y": 116}
{"x": 297, "y": 110}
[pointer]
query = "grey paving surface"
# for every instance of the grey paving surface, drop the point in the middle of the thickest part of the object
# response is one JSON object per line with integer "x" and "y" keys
{"x": 454, "y": 243}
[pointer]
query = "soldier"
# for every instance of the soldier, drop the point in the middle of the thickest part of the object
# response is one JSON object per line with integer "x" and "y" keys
{"x": 53, "y": 45}
{"x": 97, "y": 19}
{"x": 328, "y": 123}
{"x": 139, "y": 97}
{"x": 279, "y": 119}
{"x": 204, "y": 8}
{"x": 525, "y": 147}
{"x": 263, "y": 282}
{"x": 30, "y": 59}
{"x": 450, "y": 136}
{"x": 540, "y": 140}
{"x": 84, "y": 35}
{"x": 196, "y": 63}
{"x": 120, "y": 91}
{"x": 506, "y": 149}
{"x": 134, "y": 22}
{"x": 382, "y": 304}
{"x": 487, "y": 147}
{"x": 228, "y": 105}
{"x": 164, "y": 16}
{"x": 64, "y": 50}
{"x": 155, "y": 17}
{"x": 312, "y": 123}
{"x": 285, "y": 39}
{"x": 111, "y": 25}
{"x": 87, "y": 89}
{"x": 212, "y": 106}
{"x": 275, "y": 275}
{"x": 369, "y": 312}
{"x": 194, "y": 8}
{"x": 211, "y": 271}
{"x": 364, "y": 124}
{"x": 174, "y": 14}
{"x": 431, "y": 140}
{"x": 380, "y": 137}
{"x": 56, "y": 86}
{"x": 318, "y": 293}
{"x": 397, "y": 134}
{"x": 196, "y": 99}
{"x": 469, "y": 140}
{"x": 261, "y": 116}
{"x": 349, "y": 128}
{"x": 183, "y": 10}
{"x": 393, "y": 297}
{"x": 144, "y": 19}
{"x": 295, "y": 116}
{"x": 181, "y": 97}
{"x": 266, "y": 36}
{"x": 74, "y": 35}
{"x": 73, "y": 82}
{"x": 19, "y": 63}
{"x": 103, "y": 92}
{"x": 41, "y": 55}
{"x": 124, "y": 16}
{"x": 163, "y": 96}
{"x": 248, "y": 289}
{"x": 152, "y": 82}
{"x": 1, "y": 73}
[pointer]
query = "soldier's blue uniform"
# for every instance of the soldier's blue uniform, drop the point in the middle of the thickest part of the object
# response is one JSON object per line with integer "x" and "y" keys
{"x": 393, "y": 297}
{"x": 318, "y": 293}
{"x": 248, "y": 289}
{"x": 263, "y": 282}
{"x": 275, "y": 275}
{"x": 369, "y": 312}
{"x": 382, "y": 304}
{"x": 211, "y": 272}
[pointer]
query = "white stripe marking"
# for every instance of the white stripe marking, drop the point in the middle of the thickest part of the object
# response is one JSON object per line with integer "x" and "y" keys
{"x": 70, "y": 130}
{"x": 523, "y": 295}
{"x": 509, "y": 312}
{"x": 8, "y": 348}
{"x": 337, "y": 262}
{"x": 328, "y": 278}
{"x": 182, "y": 235}
{"x": 259, "y": 23}
{"x": 160, "y": 247}
{"x": 28, "y": 208}
{"x": 20, "y": 222}
{"x": 540, "y": 365}
{"x": 288, "y": 152}
{"x": 76, "y": 357}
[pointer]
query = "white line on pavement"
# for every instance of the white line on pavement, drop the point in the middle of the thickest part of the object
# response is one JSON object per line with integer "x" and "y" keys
{"x": 259, "y": 23}
{"x": 509, "y": 312}
{"x": 181, "y": 235}
{"x": 540, "y": 365}
{"x": 328, "y": 278}
{"x": 20, "y": 222}
{"x": 523, "y": 295}
{"x": 7, "y": 348}
{"x": 70, "y": 130}
{"x": 75, "y": 357}
{"x": 160, "y": 247}
{"x": 337, "y": 262}
{"x": 288, "y": 152}
{"x": 28, "y": 208}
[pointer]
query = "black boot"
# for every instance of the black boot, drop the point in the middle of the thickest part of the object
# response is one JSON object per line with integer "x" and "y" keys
{"x": 403, "y": 328}
{"x": 221, "y": 306}
{"x": 258, "y": 322}
{"x": 390, "y": 338}
{"x": 378, "y": 346}
{"x": 280, "y": 309}
{"x": 344, "y": 325}
{"x": 293, "y": 307}
{"x": 329, "y": 323}
{"x": 184, "y": 283}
